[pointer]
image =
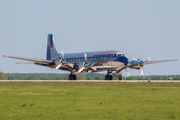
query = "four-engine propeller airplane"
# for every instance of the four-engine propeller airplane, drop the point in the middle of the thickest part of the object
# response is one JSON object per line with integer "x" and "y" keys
{"x": 109, "y": 61}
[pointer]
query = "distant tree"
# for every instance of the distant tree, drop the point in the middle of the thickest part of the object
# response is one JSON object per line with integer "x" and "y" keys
{"x": 157, "y": 78}
{"x": 3, "y": 76}
{"x": 97, "y": 78}
{"x": 65, "y": 77}
{"x": 89, "y": 78}
{"x": 115, "y": 76}
{"x": 80, "y": 76}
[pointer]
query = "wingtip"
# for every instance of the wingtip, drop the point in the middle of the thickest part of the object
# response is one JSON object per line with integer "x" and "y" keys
{"x": 175, "y": 60}
{"x": 4, "y": 56}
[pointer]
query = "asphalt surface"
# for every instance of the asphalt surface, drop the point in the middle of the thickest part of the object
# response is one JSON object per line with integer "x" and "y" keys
{"x": 89, "y": 81}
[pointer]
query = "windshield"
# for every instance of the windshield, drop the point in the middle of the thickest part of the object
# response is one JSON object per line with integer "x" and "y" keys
{"x": 120, "y": 54}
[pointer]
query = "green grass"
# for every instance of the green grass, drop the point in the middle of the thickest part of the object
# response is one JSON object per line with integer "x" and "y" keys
{"x": 61, "y": 101}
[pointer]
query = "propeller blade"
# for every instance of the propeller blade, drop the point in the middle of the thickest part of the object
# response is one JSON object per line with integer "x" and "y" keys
{"x": 93, "y": 68}
{"x": 136, "y": 59}
{"x": 57, "y": 67}
{"x": 62, "y": 54}
{"x": 127, "y": 72}
{"x": 148, "y": 59}
{"x": 142, "y": 71}
{"x": 85, "y": 56}
{"x": 80, "y": 70}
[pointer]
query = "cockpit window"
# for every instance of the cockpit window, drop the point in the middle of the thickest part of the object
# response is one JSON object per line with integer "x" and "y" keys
{"x": 120, "y": 54}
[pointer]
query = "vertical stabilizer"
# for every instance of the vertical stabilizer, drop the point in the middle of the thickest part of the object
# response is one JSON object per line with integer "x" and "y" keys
{"x": 51, "y": 50}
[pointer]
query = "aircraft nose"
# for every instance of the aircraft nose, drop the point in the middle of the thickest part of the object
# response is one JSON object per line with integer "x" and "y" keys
{"x": 126, "y": 60}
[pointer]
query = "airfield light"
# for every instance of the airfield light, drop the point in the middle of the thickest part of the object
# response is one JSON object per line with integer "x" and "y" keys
{"x": 10, "y": 76}
{"x": 46, "y": 76}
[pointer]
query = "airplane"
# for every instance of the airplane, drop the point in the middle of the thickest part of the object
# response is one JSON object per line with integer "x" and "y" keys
{"x": 97, "y": 61}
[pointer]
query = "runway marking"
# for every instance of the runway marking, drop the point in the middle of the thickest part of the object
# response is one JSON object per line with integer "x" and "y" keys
{"x": 89, "y": 81}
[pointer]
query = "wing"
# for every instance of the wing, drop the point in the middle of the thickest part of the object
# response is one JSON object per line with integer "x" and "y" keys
{"x": 159, "y": 61}
{"x": 29, "y": 59}
{"x": 46, "y": 63}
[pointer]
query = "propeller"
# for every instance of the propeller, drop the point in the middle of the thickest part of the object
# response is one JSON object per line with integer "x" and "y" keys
{"x": 57, "y": 67}
{"x": 61, "y": 61}
{"x": 62, "y": 53}
{"x": 85, "y": 56}
{"x": 85, "y": 64}
{"x": 142, "y": 71}
{"x": 127, "y": 72}
{"x": 141, "y": 63}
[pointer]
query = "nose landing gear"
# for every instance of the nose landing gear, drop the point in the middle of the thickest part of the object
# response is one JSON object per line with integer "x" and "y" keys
{"x": 110, "y": 77}
{"x": 120, "y": 76}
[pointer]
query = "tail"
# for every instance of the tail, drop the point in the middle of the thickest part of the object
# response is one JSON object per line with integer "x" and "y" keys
{"x": 51, "y": 50}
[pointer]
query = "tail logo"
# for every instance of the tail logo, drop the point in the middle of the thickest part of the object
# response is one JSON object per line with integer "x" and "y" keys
{"x": 50, "y": 46}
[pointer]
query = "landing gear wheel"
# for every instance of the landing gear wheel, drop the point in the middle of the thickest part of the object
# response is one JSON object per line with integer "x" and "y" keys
{"x": 108, "y": 77}
{"x": 70, "y": 77}
{"x": 74, "y": 77}
{"x": 120, "y": 77}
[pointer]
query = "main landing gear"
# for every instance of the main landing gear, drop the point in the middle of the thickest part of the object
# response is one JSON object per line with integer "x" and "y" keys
{"x": 72, "y": 76}
{"x": 108, "y": 76}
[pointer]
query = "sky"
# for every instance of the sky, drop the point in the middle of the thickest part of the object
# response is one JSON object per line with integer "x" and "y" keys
{"x": 139, "y": 28}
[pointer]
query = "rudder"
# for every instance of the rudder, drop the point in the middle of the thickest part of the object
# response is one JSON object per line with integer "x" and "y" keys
{"x": 51, "y": 50}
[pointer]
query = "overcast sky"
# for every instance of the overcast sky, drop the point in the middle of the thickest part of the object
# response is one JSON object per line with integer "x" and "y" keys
{"x": 138, "y": 28}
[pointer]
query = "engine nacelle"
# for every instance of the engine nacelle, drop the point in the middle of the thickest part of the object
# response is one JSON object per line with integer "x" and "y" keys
{"x": 59, "y": 60}
{"x": 83, "y": 63}
{"x": 135, "y": 64}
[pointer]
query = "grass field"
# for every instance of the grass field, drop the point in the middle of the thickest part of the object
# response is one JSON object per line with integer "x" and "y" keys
{"x": 67, "y": 101}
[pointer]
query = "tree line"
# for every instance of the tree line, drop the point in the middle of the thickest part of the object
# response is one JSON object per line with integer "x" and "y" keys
{"x": 80, "y": 76}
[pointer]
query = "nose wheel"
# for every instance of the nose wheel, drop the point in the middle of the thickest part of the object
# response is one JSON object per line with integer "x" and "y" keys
{"x": 72, "y": 77}
{"x": 120, "y": 76}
